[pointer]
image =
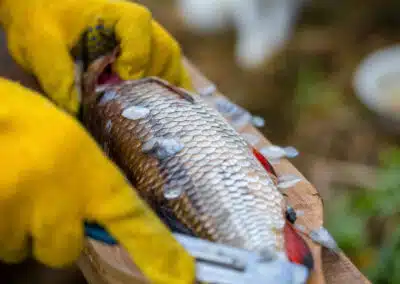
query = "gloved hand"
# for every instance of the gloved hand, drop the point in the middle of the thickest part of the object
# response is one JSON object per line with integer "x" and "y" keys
{"x": 54, "y": 177}
{"x": 41, "y": 34}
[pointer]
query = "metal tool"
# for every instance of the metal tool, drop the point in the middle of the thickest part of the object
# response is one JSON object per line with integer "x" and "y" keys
{"x": 222, "y": 264}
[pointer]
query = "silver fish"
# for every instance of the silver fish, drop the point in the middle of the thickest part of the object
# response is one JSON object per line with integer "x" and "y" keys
{"x": 207, "y": 174}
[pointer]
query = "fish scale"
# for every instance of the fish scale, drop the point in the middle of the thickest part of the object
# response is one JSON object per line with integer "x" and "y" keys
{"x": 226, "y": 194}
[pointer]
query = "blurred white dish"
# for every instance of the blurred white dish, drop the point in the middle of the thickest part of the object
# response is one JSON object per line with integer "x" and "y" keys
{"x": 377, "y": 82}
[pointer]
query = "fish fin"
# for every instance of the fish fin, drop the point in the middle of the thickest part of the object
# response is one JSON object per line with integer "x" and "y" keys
{"x": 296, "y": 248}
{"x": 179, "y": 91}
{"x": 265, "y": 163}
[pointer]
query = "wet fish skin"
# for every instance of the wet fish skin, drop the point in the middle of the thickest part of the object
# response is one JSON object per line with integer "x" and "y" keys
{"x": 222, "y": 192}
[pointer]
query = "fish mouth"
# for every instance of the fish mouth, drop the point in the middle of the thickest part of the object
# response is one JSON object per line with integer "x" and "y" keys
{"x": 99, "y": 74}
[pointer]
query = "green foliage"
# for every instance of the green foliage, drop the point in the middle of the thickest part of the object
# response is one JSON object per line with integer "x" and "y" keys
{"x": 387, "y": 269}
{"x": 384, "y": 200}
{"x": 350, "y": 214}
{"x": 387, "y": 204}
{"x": 345, "y": 224}
{"x": 314, "y": 93}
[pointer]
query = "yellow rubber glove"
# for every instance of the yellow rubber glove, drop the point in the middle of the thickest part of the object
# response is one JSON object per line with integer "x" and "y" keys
{"x": 54, "y": 177}
{"x": 41, "y": 34}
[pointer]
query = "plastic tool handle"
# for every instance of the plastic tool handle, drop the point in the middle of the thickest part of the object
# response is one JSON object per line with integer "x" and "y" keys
{"x": 98, "y": 233}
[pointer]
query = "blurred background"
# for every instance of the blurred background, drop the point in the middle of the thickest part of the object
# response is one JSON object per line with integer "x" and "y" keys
{"x": 325, "y": 76}
{"x": 311, "y": 70}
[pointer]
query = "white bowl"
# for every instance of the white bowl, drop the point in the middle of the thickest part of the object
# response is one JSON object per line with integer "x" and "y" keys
{"x": 377, "y": 82}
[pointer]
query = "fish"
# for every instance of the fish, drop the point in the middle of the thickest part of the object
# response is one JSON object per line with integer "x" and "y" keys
{"x": 183, "y": 157}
